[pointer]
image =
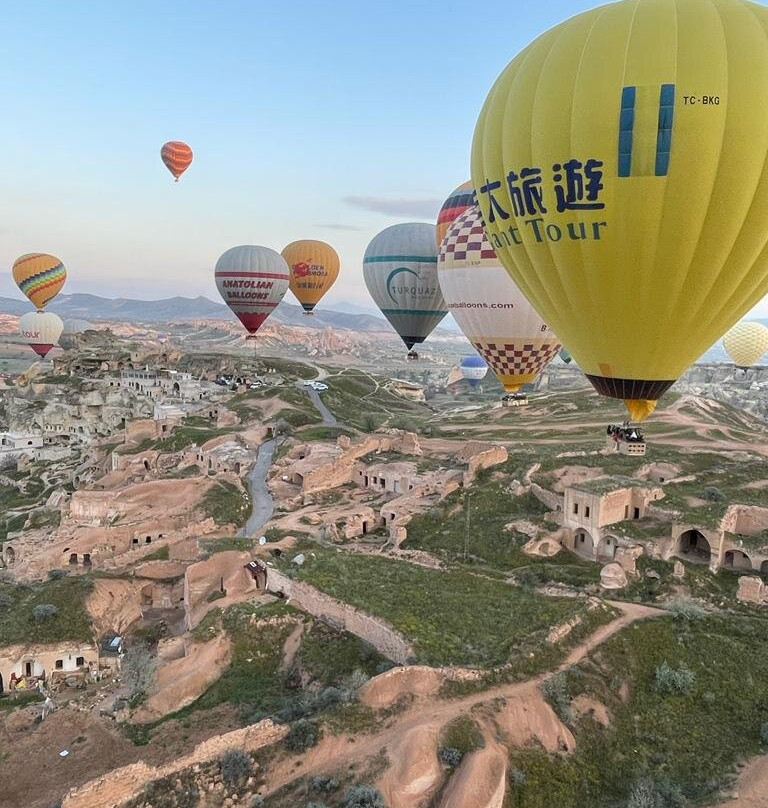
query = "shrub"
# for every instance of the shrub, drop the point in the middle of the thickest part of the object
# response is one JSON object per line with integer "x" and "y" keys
{"x": 517, "y": 778}
{"x": 45, "y": 611}
{"x": 712, "y": 494}
{"x": 5, "y": 600}
{"x": 316, "y": 805}
{"x": 236, "y": 767}
{"x": 463, "y": 735}
{"x": 361, "y": 796}
{"x": 324, "y": 784}
{"x": 671, "y": 681}
{"x": 56, "y": 575}
{"x": 555, "y": 691}
{"x": 450, "y": 756}
{"x": 683, "y": 608}
{"x": 643, "y": 794}
{"x": 256, "y": 801}
{"x": 302, "y": 735}
{"x": 764, "y": 732}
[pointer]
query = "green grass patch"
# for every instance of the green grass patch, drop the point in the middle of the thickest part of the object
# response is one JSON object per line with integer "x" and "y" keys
{"x": 226, "y": 504}
{"x": 349, "y": 653}
{"x": 462, "y": 734}
{"x": 239, "y": 543}
{"x": 452, "y": 618}
{"x": 71, "y": 621}
{"x": 682, "y": 746}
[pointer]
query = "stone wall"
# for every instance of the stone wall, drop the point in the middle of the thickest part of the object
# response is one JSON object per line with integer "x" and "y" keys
{"x": 483, "y": 459}
{"x": 118, "y": 786}
{"x": 549, "y": 498}
{"x": 384, "y": 638}
{"x": 745, "y": 520}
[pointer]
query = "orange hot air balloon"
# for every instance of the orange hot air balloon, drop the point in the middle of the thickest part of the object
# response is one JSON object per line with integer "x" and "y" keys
{"x": 314, "y": 269}
{"x": 177, "y": 157}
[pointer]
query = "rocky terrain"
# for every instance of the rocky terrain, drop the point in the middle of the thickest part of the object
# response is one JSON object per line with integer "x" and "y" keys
{"x": 411, "y": 623}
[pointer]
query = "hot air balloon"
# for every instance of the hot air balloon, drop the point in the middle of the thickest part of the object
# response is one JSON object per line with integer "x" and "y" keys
{"x": 473, "y": 369}
{"x": 620, "y": 166}
{"x": 40, "y": 276}
{"x": 746, "y": 343}
{"x": 400, "y": 271}
{"x": 462, "y": 198}
{"x": 491, "y": 311}
{"x": 565, "y": 356}
{"x": 71, "y": 331}
{"x": 252, "y": 281}
{"x": 41, "y": 330}
{"x": 177, "y": 157}
{"x": 314, "y": 268}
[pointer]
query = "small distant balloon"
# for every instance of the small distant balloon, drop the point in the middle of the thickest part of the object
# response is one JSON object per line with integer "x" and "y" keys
{"x": 473, "y": 369}
{"x": 177, "y": 157}
{"x": 745, "y": 343}
{"x": 40, "y": 276}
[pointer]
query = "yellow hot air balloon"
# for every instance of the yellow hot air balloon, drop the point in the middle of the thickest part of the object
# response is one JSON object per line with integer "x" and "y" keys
{"x": 746, "y": 343}
{"x": 314, "y": 268}
{"x": 620, "y": 166}
{"x": 40, "y": 276}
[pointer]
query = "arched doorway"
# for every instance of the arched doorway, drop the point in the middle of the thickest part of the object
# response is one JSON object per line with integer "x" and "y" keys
{"x": 693, "y": 546}
{"x": 606, "y": 548}
{"x": 764, "y": 568}
{"x": 737, "y": 560}
{"x": 583, "y": 543}
{"x": 10, "y": 556}
{"x": 1, "y": 683}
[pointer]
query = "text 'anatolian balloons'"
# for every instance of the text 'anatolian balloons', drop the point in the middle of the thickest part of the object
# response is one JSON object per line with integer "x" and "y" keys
{"x": 252, "y": 281}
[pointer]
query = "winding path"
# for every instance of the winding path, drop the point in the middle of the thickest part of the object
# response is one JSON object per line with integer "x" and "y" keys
{"x": 263, "y": 505}
{"x": 332, "y": 749}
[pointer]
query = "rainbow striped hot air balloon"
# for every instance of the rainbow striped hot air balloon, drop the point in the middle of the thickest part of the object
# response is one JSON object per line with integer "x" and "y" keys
{"x": 177, "y": 157}
{"x": 40, "y": 276}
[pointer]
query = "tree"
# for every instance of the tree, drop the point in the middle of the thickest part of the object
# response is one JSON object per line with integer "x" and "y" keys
{"x": 236, "y": 767}
{"x": 43, "y": 612}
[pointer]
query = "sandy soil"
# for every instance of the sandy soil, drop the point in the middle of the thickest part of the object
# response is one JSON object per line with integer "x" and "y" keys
{"x": 480, "y": 781}
{"x": 584, "y": 705}
{"x": 385, "y": 689}
{"x": 179, "y": 682}
{"x": 113, "y": 604}
{"x": 415, "y": 771}
{"x": 752, "y": 788}
{"x": 487, "y": 770}
{"x": 525, "y": 716}
{"x": 94, "y": 750}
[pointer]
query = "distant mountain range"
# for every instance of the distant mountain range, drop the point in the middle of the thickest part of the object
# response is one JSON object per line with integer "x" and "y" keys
{"x": 93, "y": 307}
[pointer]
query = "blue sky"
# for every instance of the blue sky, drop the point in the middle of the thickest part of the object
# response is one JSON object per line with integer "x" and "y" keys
{"x": 326, "y": 120}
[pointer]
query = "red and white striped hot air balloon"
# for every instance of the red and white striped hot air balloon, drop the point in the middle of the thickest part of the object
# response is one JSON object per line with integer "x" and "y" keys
{"x": 41, "y": 330}
{"x": 252, "y": 281}
{"x": 177, "y": 157}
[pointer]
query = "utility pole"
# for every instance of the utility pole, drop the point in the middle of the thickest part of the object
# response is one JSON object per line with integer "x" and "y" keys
{"x": 466, "y": 524}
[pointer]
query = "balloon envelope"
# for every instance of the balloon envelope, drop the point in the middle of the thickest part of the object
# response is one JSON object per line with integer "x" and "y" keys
{"x": 491, "y": 311}
{"x": 252, "y": 281}
{"x": 474, "y": 369}
{"x": 460, "y": 199}
{"x": 620, "y": 165}
{"x": 177, "y": 157}
{"x": 746, "y": 343}
{"x": 400, "y": 271}
{"x": 314, "y": 268}
{"x": 40, "y": 276}
{"x": 41, "y": 330}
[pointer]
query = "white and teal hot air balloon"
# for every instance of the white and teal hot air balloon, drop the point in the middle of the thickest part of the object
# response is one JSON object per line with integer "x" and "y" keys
{"x": 400, "y": 271}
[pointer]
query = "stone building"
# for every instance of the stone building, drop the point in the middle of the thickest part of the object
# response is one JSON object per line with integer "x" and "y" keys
{"x": 32, "y": 662}
{"x": 160, "y": 384}
{"x": 592, "y": 506}
{"x": 14, "y": 445}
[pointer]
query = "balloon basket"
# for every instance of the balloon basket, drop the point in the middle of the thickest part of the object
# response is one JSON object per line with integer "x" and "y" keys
{"x": 625, "y": 439}
{"x": 412, "y": 356}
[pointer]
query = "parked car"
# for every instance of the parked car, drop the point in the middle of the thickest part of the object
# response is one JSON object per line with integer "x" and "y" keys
{"x": 319, "y": 386}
